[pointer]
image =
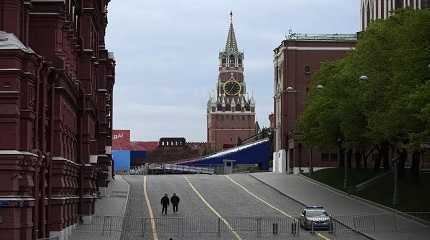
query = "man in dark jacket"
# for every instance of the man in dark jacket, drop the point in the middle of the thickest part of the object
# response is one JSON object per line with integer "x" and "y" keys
{"x": 175, "y": 202}
{"x": 164, "y": 203}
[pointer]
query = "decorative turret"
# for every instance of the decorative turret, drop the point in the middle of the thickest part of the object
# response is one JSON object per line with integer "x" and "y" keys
{"x": 231, "y": 86}
{"x": 231, "y": 57}
{"x": 231, "y": 44}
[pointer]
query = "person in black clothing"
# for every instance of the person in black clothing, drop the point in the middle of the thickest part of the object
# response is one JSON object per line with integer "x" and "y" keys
{"x": 175, "y": 202}
{"x": 164, "y": 203}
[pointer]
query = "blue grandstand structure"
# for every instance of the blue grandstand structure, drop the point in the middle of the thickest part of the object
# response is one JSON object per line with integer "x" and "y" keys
{"x": 256, "y": 153}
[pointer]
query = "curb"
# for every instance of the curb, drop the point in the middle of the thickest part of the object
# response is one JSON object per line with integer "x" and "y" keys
{"x": 128, "y": 194}
{"x": 124, "y": 208}
{"x": 374, "y": 204}
{"x": 303, "y": 204}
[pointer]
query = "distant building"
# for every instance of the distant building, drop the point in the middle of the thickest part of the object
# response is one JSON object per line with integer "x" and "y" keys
{"x": 172, "y": 150}
{"x": 382, "y": 9}
{"x": 295, "y": 61}
{"x": 230, "y": 112}
{"x": 127, "y": 154}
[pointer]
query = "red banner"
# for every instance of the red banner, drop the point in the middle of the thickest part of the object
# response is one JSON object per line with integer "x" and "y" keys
{"x": 120, "y": 139}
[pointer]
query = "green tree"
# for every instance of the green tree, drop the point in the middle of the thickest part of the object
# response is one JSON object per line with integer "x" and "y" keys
{"x": 389, "y": 110}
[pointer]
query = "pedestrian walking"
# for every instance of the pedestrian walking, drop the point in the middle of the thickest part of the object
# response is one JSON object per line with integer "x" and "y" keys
{"x": 175, "y": 202}
{"x": 164, "y": 203}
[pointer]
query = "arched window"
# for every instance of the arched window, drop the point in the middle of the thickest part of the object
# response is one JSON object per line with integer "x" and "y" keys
{"x": 224, "y": 61}
{"x": 232, "y": 60}
{"x": 240, "y": 61}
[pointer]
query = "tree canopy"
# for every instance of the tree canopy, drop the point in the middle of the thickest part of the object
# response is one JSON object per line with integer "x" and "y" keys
{"x": 391, "y": 106}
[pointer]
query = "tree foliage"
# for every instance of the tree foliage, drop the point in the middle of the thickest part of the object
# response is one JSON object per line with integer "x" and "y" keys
{"x": 392, "y": 106}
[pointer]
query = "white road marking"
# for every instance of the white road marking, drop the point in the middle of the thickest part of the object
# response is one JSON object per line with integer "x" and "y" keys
{"x": 322, "y": 236}
{"x": 151, "y": 214}
{"x": 259, "y": 198}
{"x": 268, "y": 204}
{"x": 212, "y": 209}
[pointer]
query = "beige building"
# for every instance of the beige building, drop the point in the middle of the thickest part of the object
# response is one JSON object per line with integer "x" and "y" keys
{"x": 381, "y": 9}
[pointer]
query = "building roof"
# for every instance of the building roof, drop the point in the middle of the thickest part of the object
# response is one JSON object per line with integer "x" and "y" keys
{"x": 321, "y": 37}
{"x": 10, "y": 41}
{"x": 143, "y": 146}
{"x": 231, "y": 44}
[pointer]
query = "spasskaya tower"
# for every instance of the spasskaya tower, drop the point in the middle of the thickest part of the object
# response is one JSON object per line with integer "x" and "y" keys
{"x": 230, "y": 111}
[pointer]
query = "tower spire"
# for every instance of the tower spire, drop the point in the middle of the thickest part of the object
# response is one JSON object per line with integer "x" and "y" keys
{"x": 231, "y": 44}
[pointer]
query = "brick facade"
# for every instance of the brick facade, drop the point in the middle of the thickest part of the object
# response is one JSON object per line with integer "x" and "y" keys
{"x": 56, "y": 81}
{"x": 295, "y": 60}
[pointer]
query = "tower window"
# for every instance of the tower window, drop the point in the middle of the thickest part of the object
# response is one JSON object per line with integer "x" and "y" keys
{"x": 232, "y": 60}
{"x": 240, "y": 62}
{"x": 224, "y": 61}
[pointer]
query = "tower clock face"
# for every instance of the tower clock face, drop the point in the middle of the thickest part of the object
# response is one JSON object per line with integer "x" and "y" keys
{"x": 232, "y": 88}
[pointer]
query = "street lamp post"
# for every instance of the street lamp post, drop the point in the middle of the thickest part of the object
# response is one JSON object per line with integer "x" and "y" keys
{"x": 395, "y": 187}
{"x": 362, "y": 78}
{"x": 345, "y": 165}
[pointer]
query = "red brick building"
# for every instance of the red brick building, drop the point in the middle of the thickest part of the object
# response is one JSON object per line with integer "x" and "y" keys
{"x": 230, "y": 112}
{"x": 56, "y": 81}
{"x": 173, "y": 150}
{"x": 295, "y": 60}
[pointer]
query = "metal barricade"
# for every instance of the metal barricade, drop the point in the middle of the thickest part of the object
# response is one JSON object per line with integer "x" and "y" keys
{"x": 252, "y": 227}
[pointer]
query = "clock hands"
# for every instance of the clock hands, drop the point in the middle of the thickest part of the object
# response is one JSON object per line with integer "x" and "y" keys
{"x": 232, "y": 88}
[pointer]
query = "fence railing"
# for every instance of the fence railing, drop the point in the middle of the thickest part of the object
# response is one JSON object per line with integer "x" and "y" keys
{"x": 50, "y": 238}
{"x": 259, "y": 226}
{"x": 170, "y": 168}
{"x": 382, "y": 223}
{"x": 141, "y": 226}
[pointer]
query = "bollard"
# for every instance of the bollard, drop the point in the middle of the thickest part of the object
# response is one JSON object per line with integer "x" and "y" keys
{"x": 275, "y": 229}
{"x": 259, "y": 227}
{"x": 143, "y": 226}
{"x": 354, "y": 221}
{"x": 104, "y": 225}
{"x": 395, "y": 222}
{"x": 219, "y": 227}
{"x": 331, "y": 229}
{"x": 182, "y": 227}
{"x": 312, "y": 227}
{"x": 110, "y": 225}
{"x": 293, "y": 228}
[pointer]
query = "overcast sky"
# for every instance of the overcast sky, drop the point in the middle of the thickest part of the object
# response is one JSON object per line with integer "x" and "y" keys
{"x": 167, "y": 55}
